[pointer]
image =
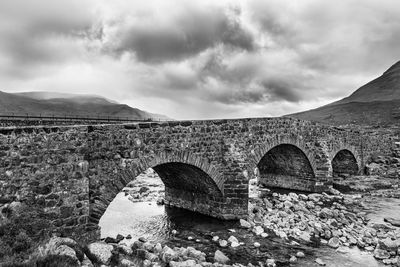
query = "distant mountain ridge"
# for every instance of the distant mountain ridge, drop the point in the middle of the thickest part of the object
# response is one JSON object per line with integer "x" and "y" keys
{"x": 61, "y": 104}
{"x": 375, "y": 103}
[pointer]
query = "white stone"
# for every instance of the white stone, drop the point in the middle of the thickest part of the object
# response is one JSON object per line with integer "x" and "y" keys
{"x": 223, "y": 243}
{"x": 233, "y": 239}
{"x": 320, "y": 261}
{"x": 244, "y": 223}
{"x": 220, "y": 257}
{"x": 258, "y": 230}
{"x": 101, "y": 251}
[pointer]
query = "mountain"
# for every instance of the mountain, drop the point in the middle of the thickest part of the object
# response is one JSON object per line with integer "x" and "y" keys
{"x": 375, "y": 103}
{"x": 60, "y": 104}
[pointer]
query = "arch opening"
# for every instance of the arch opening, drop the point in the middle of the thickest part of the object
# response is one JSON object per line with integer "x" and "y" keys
{"x": 344, "y": 164}
{"x": 286, "y": 166}
{"x": 186, "y": 177}
{"x": 185, "y": 186}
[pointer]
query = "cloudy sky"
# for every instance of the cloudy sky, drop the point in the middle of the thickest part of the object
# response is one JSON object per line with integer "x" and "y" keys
{"x": 199, "y": 59}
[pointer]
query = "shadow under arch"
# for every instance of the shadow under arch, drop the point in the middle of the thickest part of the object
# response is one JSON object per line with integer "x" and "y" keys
{"x": 344, "y": 162}
{"x": 285, "y": 163}
{"x": 190, "y": 182}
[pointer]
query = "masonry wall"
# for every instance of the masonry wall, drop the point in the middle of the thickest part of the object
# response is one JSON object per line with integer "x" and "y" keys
{"x": 72, "y": 173}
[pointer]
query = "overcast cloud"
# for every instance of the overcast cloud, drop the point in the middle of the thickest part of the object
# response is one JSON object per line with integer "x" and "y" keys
{"x": 199, "y": 59}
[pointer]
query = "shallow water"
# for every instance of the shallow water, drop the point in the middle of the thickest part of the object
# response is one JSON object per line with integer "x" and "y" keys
{"x": 156, "y": 223}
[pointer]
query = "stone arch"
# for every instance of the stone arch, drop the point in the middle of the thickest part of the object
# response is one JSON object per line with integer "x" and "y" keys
{"x": 285, "y": 162}
{"x": 257, "y": 154}
{"x": 180, "y": 166}
{"x": 345, "y": 161}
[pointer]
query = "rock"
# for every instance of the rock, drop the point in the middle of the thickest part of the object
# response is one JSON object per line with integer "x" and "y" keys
{"x": 190, "y": 238}
{"x": 300, "y": 254}
{"x": 86, "y": 262}
{"x": 256, "y": 244}
{"x": 174, "y": 232}
{"x": 270, "y": 263}
{"x": 100, "y": 252}
{"x": 65, "y": 250}
{"x": 187, "y": 263}
{"x": 142, "y": 239}
{"x": 147, "y": 263}
{"x": 392, "y": 221}
{"x": 215, "y": 238}
{"x": 128, "y": 237}
{"x": 63, "y": 246}
{"x": 258, "y": 230}
{"x": 343, "y": 250}
{"x": 264, "y": 235}
{"x": 233, "y": 239}
{"x": 389, "y": 244}
{"x": 245, "y": 224}
{"x": 110, "y": 240}
{"x": 369, "y": 248}
{"x": 320, "y": 261}
{"x": 127, "y": 263}
{"x": 125, "y": 249}
{"x": 223, "y": 243}
{"x": 168, "y": 254}
{"x": 158, "y": 248}
{"x": 334, "y": 242}
{"x": 220, "y": 257}
{"x": 381, "y": 254}
{"x": 119, "y": 238}
{"x": 292, "y": 259}
{"x": 160, "y": 201}
{"x": 235, "y": 244}
{"x": 305, "y": 236}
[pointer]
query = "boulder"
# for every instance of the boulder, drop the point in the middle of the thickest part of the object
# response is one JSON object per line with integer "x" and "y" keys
{"x": 381, "y": 254}
{"x": 168, "y": 254}
{"x": 258, "y": 230}
{"x": 320, "y": 261}
{"x": 220, "y": 257}
{"x": 245, "y": 224}
{"x": 392, "y": 221}
{"x": 388, "y": 244}
{"x": 65, "y": 250}
{"x": 233, "y": 239}
{"x": 300, "y": 254}
{"x": 334, "y": 242}
{"x": 67, "y": 245}
{"x": 100, "y": 252}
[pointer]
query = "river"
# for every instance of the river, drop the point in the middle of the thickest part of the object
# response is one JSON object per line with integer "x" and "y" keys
{"x": 158, "y": 222}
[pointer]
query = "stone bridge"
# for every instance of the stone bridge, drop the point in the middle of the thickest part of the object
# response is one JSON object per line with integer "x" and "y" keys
{"x": 72, "y": 173}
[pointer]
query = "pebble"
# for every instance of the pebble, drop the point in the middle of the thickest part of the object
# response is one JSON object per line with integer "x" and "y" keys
{"x": 300, "y": 254}
{"x": 320, "y": 262}
{"x": 223, "y": 243}
{"x": 257, "y": 245}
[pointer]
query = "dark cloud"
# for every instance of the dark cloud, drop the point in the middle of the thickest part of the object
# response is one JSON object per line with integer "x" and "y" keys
{"x": 186, "y": 35}
{"x": 278, "y": 90}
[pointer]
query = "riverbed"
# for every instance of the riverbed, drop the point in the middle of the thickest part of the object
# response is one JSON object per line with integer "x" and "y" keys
{"x": 182, "y": 228}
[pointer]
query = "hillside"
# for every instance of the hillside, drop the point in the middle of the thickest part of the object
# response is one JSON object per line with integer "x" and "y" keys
{"x": 45, "y": 103}
{"x": 375, "y": 103}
